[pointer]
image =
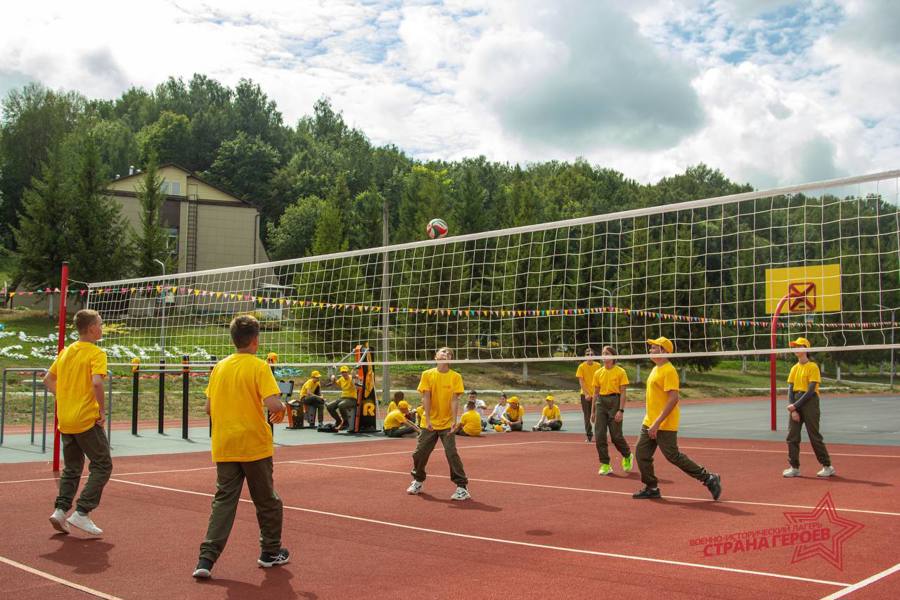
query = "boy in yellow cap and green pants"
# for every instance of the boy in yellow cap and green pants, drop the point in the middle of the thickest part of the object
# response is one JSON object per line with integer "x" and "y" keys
{"x": 551, "y": 418}
{"x": 660, "y": 426}
{"x": 311, "y": 398}
{"x": 397, "y": 423}
{"x": 514, "y": 416}
{"x": 340, "y": 409}
{"x": 803, "y": 393}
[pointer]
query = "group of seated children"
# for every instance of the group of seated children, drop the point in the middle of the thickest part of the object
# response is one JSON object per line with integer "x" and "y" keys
{"x": 311, "y": 406}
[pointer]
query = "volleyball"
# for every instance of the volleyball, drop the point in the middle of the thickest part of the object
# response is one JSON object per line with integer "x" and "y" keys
{"x": 437, "y": 228}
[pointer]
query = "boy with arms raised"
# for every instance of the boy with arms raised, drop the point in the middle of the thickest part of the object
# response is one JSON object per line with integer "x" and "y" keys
{"x": 240, "y": 388}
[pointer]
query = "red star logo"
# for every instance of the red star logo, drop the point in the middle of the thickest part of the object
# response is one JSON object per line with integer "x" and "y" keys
{"x": 840, "y": 529}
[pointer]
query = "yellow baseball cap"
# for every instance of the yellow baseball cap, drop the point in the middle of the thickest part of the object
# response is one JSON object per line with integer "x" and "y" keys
{"x": 272, "y": 357}
{"x": 315, "y": 374}
{"x": 513, "y": 399}
{"x": 549, "y": 398}
{"x": 403, "y": 404}
{"x": 345, "y": 369}
{"x": 800, "y": 342}
{"x": 664, "y": 343}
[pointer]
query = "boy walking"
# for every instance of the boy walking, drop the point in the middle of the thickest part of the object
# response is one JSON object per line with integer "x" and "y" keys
{"x": 609, "y": 411}
{"x": 660, "y": 427}
{"x": 585, "y": 375}
{"x": 240, "y": 387}
{"x": 76, "y": 379}
{"x": 440, "y": 388}
{"x": 803, "y": 393}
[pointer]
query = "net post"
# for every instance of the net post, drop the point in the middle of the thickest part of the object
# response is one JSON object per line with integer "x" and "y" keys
{"x": 160, "y": 426}
{"x": 60, "y": 344}
{"x": 185, "y": 394}
{"x": 135, "y": 385}
{"x": 772, "y": 364}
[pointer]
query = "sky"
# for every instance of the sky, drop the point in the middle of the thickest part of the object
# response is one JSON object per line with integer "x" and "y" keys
{"x": 771, "y": 92}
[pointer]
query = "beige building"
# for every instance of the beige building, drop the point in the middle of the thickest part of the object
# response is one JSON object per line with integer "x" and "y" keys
{"x": 207, "y": 227}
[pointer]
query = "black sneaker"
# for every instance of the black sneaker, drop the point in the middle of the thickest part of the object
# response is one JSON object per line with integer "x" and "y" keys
{"x": 714, "y": 484}
{"x": 647, "y": 493}
{"x": 204, "y": 569}
{"x": 268, "y": 559}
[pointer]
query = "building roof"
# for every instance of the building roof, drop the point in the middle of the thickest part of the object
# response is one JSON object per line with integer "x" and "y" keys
{"x": 191, "y": 174}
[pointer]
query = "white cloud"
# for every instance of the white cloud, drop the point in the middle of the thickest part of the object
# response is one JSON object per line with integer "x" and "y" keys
{"x": 770, "y": 91}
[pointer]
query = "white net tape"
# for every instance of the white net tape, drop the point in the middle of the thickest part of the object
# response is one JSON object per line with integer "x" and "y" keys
{"x": 695, "y": 272}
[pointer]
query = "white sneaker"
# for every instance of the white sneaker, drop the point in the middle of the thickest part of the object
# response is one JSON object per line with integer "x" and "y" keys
{"x": 58, "y": 520}
{"x": 84, "y": 523}
{"x": 461, "y": 493}
{"x": 414, "y": 488}
{"x": 791, "y": 472}
{"x": 826, "y": 472}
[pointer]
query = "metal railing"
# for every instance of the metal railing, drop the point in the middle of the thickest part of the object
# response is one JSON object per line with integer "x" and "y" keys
{"x": 34, "y": 383}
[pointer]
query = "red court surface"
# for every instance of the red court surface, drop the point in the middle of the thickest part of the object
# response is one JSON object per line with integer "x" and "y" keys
{"x": 541, "y": 524}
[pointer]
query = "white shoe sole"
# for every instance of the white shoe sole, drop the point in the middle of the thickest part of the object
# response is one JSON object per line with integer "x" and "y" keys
{"x": 274, "y": 563}
{"x": 95, "y": 532}
{"x": 58, "y": 525}
{"x": 201, "y": 574}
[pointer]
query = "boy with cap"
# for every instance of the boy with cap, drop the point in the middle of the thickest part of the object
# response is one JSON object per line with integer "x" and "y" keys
{"x": 803, "y": 394}
{"x": 660, "y": 426}
{"x": 514, "y": 415}
{"x": 311, "y": 398}
{"x": 551, "y": 419}
{"x": 340, "y": 409}
{"x": 397, "y": 423}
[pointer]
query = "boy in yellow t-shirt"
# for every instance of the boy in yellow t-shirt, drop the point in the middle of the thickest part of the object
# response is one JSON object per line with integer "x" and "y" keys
{"x": 240, "y": 387}
{"x": 340, "y": 409}
{"x": 609, "y": 410}
{"x": 514, "y": 416}
{"x": 76, "y": 379}
{"x": 311, "y": 398}
{"x": 585, "y": 375}
{"x": 440, "y": 388}
{"x": 803, "y": 393}
{"x": 470, "y": 421}
{"x": 660, "y": 426}
{"x": 394, "y": 404}
{"x": 397, "y": 423}
{"x": 551, "y": 419}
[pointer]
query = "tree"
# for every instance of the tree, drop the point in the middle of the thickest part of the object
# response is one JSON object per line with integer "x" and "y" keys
{"x": 244, "y": 165}
{"x": 150, "y": 243}
{"x": 35, "y": 121}
{"x": 292, "y": 237}
{"x": 168, "y": 138}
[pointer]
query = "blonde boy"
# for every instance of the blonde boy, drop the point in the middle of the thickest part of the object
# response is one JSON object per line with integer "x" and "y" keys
{"x": 76, "y": 379}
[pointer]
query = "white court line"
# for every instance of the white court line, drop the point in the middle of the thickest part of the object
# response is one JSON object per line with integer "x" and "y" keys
{"x": 749, "y": 450}
{"x": 58, "y": 580}
{"x": 510, "y": 542}
{"x": 863, "y": 583}
{"x": 277, "y": 462}
{"x": 612, "y": 492}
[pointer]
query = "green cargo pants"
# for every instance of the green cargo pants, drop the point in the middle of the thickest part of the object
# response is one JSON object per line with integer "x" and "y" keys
{"x": 94, "y": 444}
{"x": 269, "y": 509}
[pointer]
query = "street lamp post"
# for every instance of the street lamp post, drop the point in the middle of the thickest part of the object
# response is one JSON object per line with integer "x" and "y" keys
{"x": 162, "y": 330}
{"x": 893, "y": 326}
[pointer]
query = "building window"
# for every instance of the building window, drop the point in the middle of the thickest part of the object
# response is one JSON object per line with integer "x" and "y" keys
{"x": 164, "y": 187}
{"x": 172, "y": 242}
{"x": 175, "y": 188}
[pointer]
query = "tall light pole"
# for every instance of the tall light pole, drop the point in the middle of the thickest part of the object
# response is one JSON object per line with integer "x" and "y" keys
{"x": 893, "y": 326}
{"x": 162, "y": 331}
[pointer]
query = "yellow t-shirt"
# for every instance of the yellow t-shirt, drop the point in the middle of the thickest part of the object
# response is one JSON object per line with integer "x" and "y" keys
{"x": 348, "y": 388}
{"x": 802, "y": 375}
{"x": 514, "y": 413}
{"x": 394, "y": 419}
{"x": 551, "y": 414}
{"x": 420, "y": 416}
{"x": 75, "y": 367}
{"x": 586, "y": 372}
{"x": 609, "y": 381}
{"x": 470, "y": 421}
{"x": 442, "y": 387}
{"x": 392, "y": 406}
{"x": 662, "y": 380}
{"x": 311, "y": 388}
{"x": 237, "y": 387}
